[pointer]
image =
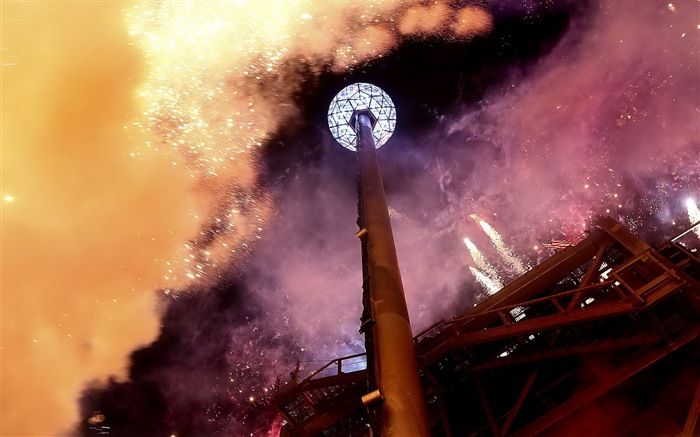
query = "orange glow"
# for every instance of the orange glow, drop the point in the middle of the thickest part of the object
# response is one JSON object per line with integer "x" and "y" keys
{"x": 424, "y": 19}
{"x": 472, "y": 21}
{"x": 83, "y": 221}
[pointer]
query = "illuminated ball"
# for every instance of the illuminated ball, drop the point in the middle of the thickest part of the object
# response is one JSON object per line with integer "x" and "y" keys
{"x": 358, "y": 97}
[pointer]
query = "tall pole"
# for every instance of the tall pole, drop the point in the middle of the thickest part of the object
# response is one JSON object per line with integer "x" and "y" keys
{"x": 403, "y": 411}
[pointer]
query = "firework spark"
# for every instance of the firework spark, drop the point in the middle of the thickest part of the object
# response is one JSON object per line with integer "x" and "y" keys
{"x": 483, "y": 265}
{"x": 218, "y": 85}
{"x": 506, "y": 253}
{"x": 489, "y": 284}
{"x": 201, "y": 102}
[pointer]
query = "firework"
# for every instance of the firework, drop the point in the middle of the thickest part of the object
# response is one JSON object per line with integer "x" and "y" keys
{"x": 489, "y": 285}
{"x": 483, "y": 265}
{"x": 217, "y": 86}
{"x": 505, "y": 252}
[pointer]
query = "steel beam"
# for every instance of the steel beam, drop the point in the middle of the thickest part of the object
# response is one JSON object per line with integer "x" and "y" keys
{"x": 623, "y": 236}
{"x": 690, "y": 428}
{"x": 441, "y": 402}
{"x": 604, "y": 385}
{"x": 527, "y": 326}
{"x": 591, "y": 348}
{"x": 487, "y": 408}
{"x": 518, "y": 403}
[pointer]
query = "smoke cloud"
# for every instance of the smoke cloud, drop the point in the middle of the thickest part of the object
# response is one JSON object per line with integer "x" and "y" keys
{"x": 605, "y": 124}
{"x": 82, "y": 222}
{"x": 619, "y": 140}
{"x": 594, "y": 140}
{"x": 248, "y": 207}
{"x": 131, "y": 162}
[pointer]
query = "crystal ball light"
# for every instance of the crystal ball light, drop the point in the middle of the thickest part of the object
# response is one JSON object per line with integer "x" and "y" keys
{"x": 357, "y": 97}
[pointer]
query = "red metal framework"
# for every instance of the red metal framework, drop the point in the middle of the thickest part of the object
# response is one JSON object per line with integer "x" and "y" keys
{"x": 604, "y": 322}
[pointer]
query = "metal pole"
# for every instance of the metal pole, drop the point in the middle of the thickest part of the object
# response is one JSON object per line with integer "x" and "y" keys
{"x": 396, "y": 369}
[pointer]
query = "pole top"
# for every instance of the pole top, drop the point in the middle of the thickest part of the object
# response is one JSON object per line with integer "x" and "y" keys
{"x": 361, "y": 97}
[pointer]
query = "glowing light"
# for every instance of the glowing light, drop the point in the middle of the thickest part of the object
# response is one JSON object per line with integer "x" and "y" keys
{"x": 483, "y": 265}
{"x": 505, "y": 253}
{"x": 489, "y": 285}
{"x": 361, "y": 96}
{"x": 8, "y": 199}
{"x": 472, "y": 21}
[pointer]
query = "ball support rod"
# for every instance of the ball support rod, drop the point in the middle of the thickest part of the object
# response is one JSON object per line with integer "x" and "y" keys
{"x": 396, "y": 368}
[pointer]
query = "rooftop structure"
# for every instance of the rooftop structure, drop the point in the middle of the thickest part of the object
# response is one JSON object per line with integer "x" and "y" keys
{"x": 599, "y": 339}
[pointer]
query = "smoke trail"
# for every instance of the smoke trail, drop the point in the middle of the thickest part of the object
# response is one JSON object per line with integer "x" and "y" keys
{"x": 481, "y": 263}
{"x": 505, "y": 253}
{"x": 489, "y": 284}
{"x": 693, "y": 214}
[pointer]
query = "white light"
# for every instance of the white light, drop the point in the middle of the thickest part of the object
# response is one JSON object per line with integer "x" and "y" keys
{"x": 361, "y": 96}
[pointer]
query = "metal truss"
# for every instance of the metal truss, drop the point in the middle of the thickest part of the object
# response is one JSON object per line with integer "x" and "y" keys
{"x": 524, "y": 359}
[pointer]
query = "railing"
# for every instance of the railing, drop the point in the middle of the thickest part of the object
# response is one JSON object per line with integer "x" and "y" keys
{"x": 504, "y": 311}
{"x": 299, "y": 373}
{"x": 430, "y": 331}
{"x": 635, "y": 285}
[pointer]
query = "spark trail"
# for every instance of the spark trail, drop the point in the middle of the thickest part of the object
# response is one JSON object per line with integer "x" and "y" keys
{"x": 489, "y": 284}
{"x": 505, "y": 253}
{"x": 483, "y": 265}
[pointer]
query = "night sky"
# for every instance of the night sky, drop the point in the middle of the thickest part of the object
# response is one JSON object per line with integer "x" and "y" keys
{"x": 237, "y": 209}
